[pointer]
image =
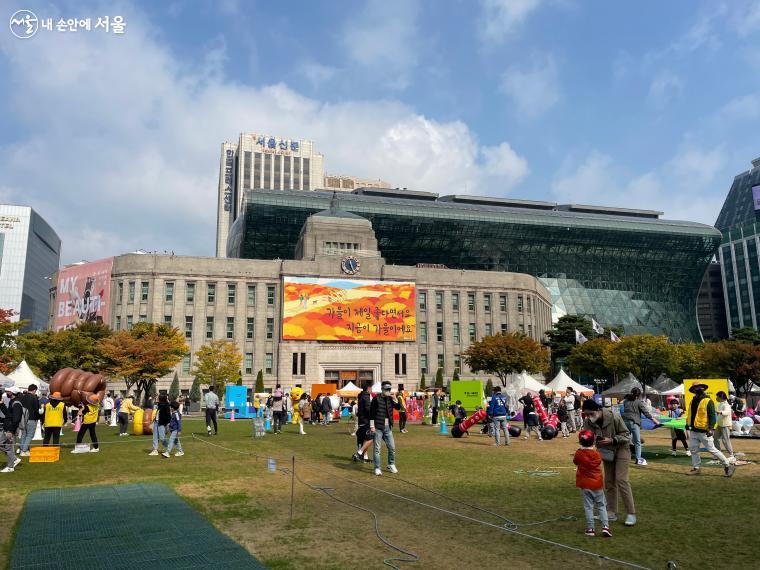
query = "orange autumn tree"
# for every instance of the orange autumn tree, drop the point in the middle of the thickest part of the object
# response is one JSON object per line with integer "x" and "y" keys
{"x": 505, "y": 354}
{"x": 142, "y": 355}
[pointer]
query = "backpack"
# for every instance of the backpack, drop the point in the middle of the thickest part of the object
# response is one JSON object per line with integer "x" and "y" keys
{"x": 24, "y": 415}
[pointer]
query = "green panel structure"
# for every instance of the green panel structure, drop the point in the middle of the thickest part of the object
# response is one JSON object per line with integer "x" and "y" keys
{"x": 120, "y": 526}
{"x": 622, "y": 267}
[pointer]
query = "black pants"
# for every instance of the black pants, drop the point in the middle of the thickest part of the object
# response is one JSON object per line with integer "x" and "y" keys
{"x": 54, "y": 432}
{"x": 679, "y": 435}
{"x": 402, "y": 420}
{"x": 123, "y": 422}
{"x": 435, "y": 416}
{"x": 279, "y": 419}
{"x": 211, "y": 418}
{"x": 93, "y": 436}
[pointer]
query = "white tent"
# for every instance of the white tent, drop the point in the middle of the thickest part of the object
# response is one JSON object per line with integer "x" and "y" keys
{"x": 523, "y": 383}
{"x": 349, "y": 390}
{"x": 5, "y": 381}
{"x": 677, "y": 391}
{"x": 561, "y": 383}
{"x": 23, "y": 377}
{"x": 377, "y": 387}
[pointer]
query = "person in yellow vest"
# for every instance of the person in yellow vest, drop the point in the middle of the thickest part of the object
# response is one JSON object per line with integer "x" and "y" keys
{"x": 256, "y": 405}
{"x": 701, "y": 421}
{"x": 53, "y": 419}
{"x": 89, "y": 420}
{"x": 402, "y": 413}
{"x": 127, "y": 407}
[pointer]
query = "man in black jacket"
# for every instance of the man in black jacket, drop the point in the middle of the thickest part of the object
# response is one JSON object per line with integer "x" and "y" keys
{"x": 12, "y": 413}
{"x": 363, "y": 436}
{"x": 32, "y": 405}
{"x": 381, "y": 426}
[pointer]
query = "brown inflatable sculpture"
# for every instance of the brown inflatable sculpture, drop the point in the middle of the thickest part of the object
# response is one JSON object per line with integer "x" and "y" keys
{"x": 75, "y": 385}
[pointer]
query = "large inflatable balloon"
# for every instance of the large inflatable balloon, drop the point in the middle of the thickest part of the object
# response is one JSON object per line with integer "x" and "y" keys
{"x": 458, "y": 430}
{"x": 75, "y": 385}
{"x": 543, "y": 417}
{"x": 514, "y": 431}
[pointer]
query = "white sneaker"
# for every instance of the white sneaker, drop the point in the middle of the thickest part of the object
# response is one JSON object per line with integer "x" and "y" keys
{"x": 154, "y": 452}
{"x": 392, "y": 469}
{"x": 673, "y": 453}
{"x": 732, "y": 460}
{"x": 642, "y": 462}
{"x": 16, "y": 463}
{"x": 7, "y": 470}
{"x": 377, "y": 471}
{"x": 24, "y": 454}
{"x": 164, "y": 454}
{"x": 630, "y": 520}
{"x": 94, "y": 450}
{"x": 179, "y": 454}
{"x": 688, "y": 452}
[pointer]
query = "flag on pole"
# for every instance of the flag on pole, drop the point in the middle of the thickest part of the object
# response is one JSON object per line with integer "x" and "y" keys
{"x": 614, "y": 337}
{"x": 598, "y": 329}
{"x": 579, "y": 338}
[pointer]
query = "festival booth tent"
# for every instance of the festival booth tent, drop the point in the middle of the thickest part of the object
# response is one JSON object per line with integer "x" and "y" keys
{"x": 377, "y": 387}
{"x": 662, "y": 384}
{"x": 23, "y": 377}
{"x": 677, "y": 391}
{"x": 520, "y": 385}
{"x": 349, "y": 390}
{"x": 5, "y": 382}
{"x": 626, "y": 385}
{"x": 562, "y": 381}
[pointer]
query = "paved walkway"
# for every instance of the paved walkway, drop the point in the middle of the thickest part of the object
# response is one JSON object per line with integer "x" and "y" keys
{"x": 120, "y": 526}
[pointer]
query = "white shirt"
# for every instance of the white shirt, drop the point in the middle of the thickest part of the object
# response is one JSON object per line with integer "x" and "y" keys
{"x": 570, "y": 401}
{"x": 108, "y": 403}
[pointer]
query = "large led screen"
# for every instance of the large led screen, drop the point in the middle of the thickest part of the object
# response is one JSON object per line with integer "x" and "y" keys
{"x": 83, "y": 294}
{"x": 348, "y": 310}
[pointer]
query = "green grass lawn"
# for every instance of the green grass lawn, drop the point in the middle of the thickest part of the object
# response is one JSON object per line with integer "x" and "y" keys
{"x": 703, "y": 522}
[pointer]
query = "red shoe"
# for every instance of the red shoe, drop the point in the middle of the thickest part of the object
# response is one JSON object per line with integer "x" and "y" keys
{"x": 606, "y": 532}
{"x": 590, "y": 532}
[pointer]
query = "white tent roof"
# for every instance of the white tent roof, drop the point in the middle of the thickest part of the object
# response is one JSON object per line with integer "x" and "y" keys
{"x": 377, "y": 387}
{"x": 23, "y": 376}
{"x": 562, "y": 381}
{"x": 677, "y": 391}
{"x": 5, "y": 381}
{"x": 349, "y": 389}
{"x": 524, "y": 382}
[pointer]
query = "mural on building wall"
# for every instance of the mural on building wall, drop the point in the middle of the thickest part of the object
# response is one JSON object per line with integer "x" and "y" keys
{"x": 348, "y": 309}
{"x": 83, "y": 294}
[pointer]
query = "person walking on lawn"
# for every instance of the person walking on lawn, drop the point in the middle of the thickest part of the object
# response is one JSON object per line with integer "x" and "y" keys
{"x": 161, "y": 423}
{"x": 13, "y": 412}
{"x": 89, "y": 421}
{"x": 363, "y": 436}
{"x": 175, "y": 429}
{"x": 32, "y": 406}
{"x": 701, "y": 421}
{"x": 633, "y": 408}
{"x": 212, "y": 407}
{"x": 498, "y": 412}
{"x": 381, "y": 426}
{"x": 588, "y": 478}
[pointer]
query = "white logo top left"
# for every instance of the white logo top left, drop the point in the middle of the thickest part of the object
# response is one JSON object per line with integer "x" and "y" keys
{"x": 24, "y": 24}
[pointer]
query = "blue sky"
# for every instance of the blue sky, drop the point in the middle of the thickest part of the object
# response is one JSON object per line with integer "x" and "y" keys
{"x": 115, "y": 138}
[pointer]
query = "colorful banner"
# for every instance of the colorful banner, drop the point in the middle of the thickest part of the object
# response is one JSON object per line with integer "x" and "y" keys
{"x": 470, "y": 392}
{"x": 83, "y": 294}
{"x": 714, "y": 385}
{"x": 348, "y": 309}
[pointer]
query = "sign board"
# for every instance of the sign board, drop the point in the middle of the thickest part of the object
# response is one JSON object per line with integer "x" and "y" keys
{"x": 470, "y": 392}
{"x": 714, "y": 386}
{"x": 83, "y": 294}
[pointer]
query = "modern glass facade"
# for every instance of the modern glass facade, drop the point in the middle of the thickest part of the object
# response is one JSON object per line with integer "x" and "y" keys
{"x": 622, "y": 267}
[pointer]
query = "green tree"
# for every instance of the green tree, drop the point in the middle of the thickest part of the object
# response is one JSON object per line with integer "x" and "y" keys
{"x": 455, "y": 377}
{"x": 746, "y": 334}
{"x": 9, "y": 354}
{"x": 260, "y": 382}
{"x": 195, "y": 391}
{"x": 174, "y": 388}
{"x": 645, "y": 356}
{"x": 150, "y": 395}
{"x": 505, "y": 354}
{"x": 439, "y": 378}
{"x": 589, "y": 358}
{"x": 239, "y": 381}
{"x": 562, "y": 334}
{"x": 217, "y": 364}
{"x": 739, "y": 361}
{"x": 423, "y": 385}
{"x": 489, "y": 387}
{"x": 47, "y": 352}
{"x": 689, "y": 361}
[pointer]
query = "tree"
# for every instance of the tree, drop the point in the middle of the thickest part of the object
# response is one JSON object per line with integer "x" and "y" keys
{"x": 455, "y": 378}
{"x": 489, "y": 387}
{"x": 645, "y": 356}
{"x": 142, "y": 355}
{"x": 195, "y": 391}
{"x": 217, "y": 364}
{"x": 506, "y": 353}
{"x": 739, "y": 361}
{"x": 150, "y": 395}
{"x": 439, "y": 378}
{"x": 746, "y": 334}
{"x": 589, "y": 358}
{"x": 47, "y": 352}
{"x": 174, "y": 388}
{"x": 562, "y": 335}
{"x": 260, "y": 382}
{"x": 689, "y": 361}
{"x": 9, "y": 354}
{"x": 239, "y": 381}
{"x": 423, "y": 386}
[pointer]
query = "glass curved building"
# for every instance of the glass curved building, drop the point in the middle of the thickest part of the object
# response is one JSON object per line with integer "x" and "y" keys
{"x": 622, "y": 267}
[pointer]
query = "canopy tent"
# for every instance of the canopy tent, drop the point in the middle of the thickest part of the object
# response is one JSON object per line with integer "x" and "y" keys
{"x": 5, "y": 381}
{"x": 662, "y": 384}
{"x": 677, "y": 391}
{"x": 562, "y": 382}
{"x": 377, "y": 387}
{"x": 23, "y": 377}
{"x": 349, "y": 390}
{"x": 626, "y": 385}
{"x": 524, "y": 383}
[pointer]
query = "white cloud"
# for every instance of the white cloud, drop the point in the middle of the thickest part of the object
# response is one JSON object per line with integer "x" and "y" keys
{"x": 665, "y": 87}
{"x": 316, "y": 73}
{"x": 533, "y": 90}
{"x": 383, "y": 40}
{"x": 748, "y": 21}
{"x": 741, "y": 108}
{"x": 501, "y": 18}
{"x": 118, "y": 142}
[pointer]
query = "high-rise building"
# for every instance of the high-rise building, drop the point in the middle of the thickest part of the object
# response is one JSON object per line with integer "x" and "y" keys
{"x": 711, "y": 308}
{"x": 351, "y": 183}
{"x": 262, "y": 161}
{"x": 29, "y": 254}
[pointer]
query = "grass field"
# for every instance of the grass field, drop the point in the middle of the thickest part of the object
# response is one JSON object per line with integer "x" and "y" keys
{"x": 702, "y": 522}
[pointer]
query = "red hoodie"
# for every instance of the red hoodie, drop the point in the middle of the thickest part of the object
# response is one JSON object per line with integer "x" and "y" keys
{"x": 589, "y": 472}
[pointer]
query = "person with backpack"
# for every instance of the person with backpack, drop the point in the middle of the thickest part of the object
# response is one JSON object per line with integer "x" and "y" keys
{"x": 30, "y": 418}
{"x": 13, "y": 413}
{"x": 498, "y": 412}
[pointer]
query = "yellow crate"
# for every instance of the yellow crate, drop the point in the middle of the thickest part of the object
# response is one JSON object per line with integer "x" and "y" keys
{"x": 44, "y": 454}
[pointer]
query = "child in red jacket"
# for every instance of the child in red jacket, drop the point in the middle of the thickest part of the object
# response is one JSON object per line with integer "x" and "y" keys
{"x": 588, "y": 478}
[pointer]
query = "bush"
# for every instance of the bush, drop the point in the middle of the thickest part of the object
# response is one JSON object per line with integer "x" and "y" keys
{"x": 423, "y": 385}
{"x": 174, "y": 388}
{"x": 195, "y": 391}
{"x": 260, "y": 382}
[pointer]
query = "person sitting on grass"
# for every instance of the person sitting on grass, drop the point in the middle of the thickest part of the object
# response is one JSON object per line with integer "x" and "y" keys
{"x": 175, "y": 427}
{"x": 89, "y": 421}
{"x": 588, "y": 478}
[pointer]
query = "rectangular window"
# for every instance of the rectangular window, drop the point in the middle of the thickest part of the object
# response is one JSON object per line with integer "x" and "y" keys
{"x": 120, "y": 294}
{"x": 522, "y": 328}
{"x": 247, "y": 169}
{"x": 144, "y": 286}
{"x": 143, "y": 318}
{"x": 190, "y": 293}
{"x": 230, "y": 328}
{"x": 423, "y": 301}
{"x": 400, "y": 362}
{"x": 489, "y": 329}
{"x": 249, "y": 363}
{"x": 251, "y": 295}
{"x": 129, "y": 322}
{"x": 295, "y": 364}
{"x": 303, "y": 364}
{"x": 470, "y": 301}
{"x": 503, "y": 303}
{"x": 519, "y": 303}
{"x": 296, "y": 173}
{"x": 403, "y": 364}
{"x": 286, "y": 173}
{"x": 188, "y": 327}
{"x": 186, "y": 364}
{"x": 439, "y": 331}
{"x": 457, "y": 363}
{"x": 211, "y": 293}
{"x": 270, "y": 328}
{"x": 503, "y": 328}
{"x": 530, "y": 330}
{"x": 423, "y": 364}
{"x": 438, "y": 301}
{"x": 268, "y": 363}
{"x": 131, "y": 291}
{"x": 209, "y": 328}
{"x": 472, "y": 332}
{"x": 455, "y": 301}
{"x": 277, "y": 168}
{"x": 529, "y": 304}
{"x": 168, "y": 320}
{"x": 249, "y": 328}
{"x": 487, "y": 302}
{"x": 270, "y": 295}
{"x": 455, "y": 332}
{"x": 118, "y": 322}
{"x": 307, "y": 175}
{"x": 256, "y": 182}
{"x": 169, "y": 292}
{"x": 440, "y": 361}
{"x": 397, "y": 363}
{"x": 423, "y": 331}
{"x": 231, "y": 291}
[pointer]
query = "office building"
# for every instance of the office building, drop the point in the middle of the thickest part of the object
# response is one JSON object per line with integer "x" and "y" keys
{"x": 351, "y": 183}
{"x": 711, "y": 308}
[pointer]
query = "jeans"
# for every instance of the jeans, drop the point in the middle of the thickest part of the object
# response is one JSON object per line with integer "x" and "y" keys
{"x": 384, "y": 434}
{"x": 635, "y": 430}
{"x": 500, "y": 422}
{"x": 29, "y": 429}
{"x": 278, "y": 418}
{"x": 83, "y": 430}
{"x": 211, "y": 418}
{"x": 596, "y": 498}
{"x": 435, "y": 416}
{"x": 616, "y": 482}
{"x": 123, "y": 422}
{"x": 723, "y": 435}
{"x": 6, "y": 444}
{"x": 174, "y": 440}
{"x": 701, "y": 439}
{"x": 159, "y": 435}
{"x": 571, "y": 420}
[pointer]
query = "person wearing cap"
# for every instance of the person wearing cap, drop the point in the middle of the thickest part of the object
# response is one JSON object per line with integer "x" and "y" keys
{"x": 13, "y": 411}
{"x": 89, "y": 421}
{"x": 381, "y": 426}
{"x": 53, "y": 419}
{"x": 32, "y": 406}
{"x": 613, "y": 442}
{"x": 701, "y": 421}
